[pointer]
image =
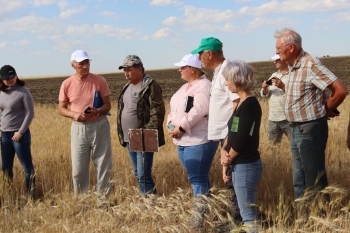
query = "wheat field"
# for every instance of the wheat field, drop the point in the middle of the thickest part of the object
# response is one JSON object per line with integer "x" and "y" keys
{"x": 56, "y": 208}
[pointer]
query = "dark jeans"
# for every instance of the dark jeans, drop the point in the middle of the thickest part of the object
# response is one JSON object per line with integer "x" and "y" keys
{"x": 22, "y": 149}
{"x": 142, "y": 166}
{"x": 308, "y": 142}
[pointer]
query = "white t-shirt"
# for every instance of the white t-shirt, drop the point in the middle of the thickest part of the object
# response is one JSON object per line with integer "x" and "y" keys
{"x": 221, "y": 106}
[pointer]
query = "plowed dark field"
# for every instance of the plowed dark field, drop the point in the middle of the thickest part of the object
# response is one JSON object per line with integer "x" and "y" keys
{"x": 45, "y": 90}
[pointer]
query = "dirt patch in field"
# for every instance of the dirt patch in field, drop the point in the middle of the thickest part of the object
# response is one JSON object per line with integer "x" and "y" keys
{"x": 45, "y": 90}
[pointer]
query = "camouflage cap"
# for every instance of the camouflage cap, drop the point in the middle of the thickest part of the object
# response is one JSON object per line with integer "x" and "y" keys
{"x": 131, "y": 60}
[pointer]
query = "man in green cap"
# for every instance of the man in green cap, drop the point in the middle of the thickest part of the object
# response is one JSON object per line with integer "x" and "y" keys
{"x": 222, "y": 100}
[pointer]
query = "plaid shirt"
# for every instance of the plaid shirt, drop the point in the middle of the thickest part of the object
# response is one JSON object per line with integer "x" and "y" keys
{"x": 305, "y": 89}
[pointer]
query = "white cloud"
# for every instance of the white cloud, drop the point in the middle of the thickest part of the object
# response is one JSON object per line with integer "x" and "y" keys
{"x": 24, "y": 42}
{"x": 108, "y": 14}
{"x": 194, "y": 15}
{"x": 296, "y": 6}
{"x": 322, "y": 21}
{"x": 101, "y": 29}
{"x": 228, "y": 27}
{"x": 343, "y": 17}
{"x": 11, "y": 5}
{"x": 73, "y": 11}
{"x": 171, "y": 20}
{"x": 29, "y": 23}
{"x": 205, "y": 19}
{"x": 260, "y": 22}
{"x": 164, "y": 33}
{"x": 3, "y": 44}
{"x": 8, "y": 6}
{"x": 165, "y": 2}
{"x": 144, "y": 37}
{"x": 63, "y": 4}
{"x": 325, "y": 28}
{"x": 68, "y": 46}
{"x": 38, "y": 3}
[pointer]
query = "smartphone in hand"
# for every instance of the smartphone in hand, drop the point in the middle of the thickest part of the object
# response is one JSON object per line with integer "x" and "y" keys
{"x": 336, "y": 111}
{"x": 269, "y": 82}
{"x": 170, "y": 126}
{"x": 87, "y": 110}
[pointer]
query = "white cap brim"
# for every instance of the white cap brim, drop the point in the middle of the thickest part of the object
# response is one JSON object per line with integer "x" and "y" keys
{"x": 276, "y": 57}
{"x": 190, "y": 60}
{"x": 82, "y": 59}
{"x": 180, "y": 64}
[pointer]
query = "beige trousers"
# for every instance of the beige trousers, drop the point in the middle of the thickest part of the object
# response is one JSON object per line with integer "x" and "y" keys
{"x": 91, "y": 139}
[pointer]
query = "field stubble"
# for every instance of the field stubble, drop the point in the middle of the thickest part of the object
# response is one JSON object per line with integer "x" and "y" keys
{"x": 56, "y": 209}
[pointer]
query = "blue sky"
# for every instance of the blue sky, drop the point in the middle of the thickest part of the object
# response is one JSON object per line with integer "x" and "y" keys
{"x": 37, "y": 37}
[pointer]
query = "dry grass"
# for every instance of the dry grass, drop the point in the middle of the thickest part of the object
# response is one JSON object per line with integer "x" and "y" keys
{"x": 56, "y": 209}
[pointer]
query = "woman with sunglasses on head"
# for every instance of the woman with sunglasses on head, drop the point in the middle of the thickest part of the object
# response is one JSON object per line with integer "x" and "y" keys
{"x": 188, "y": 126}
{"x": 16, "y": 114}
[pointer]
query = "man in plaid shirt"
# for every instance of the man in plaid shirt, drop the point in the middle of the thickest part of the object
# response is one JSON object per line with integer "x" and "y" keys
{"x": 307, "y": 108}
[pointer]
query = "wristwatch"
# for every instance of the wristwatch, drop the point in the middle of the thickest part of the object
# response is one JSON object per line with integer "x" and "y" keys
{"x": 98, "y": 112}
{"x": 182, "y": 129}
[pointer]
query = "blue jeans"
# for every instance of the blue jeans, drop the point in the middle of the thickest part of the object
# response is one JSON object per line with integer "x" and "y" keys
{"x": 197, "y": 161}
{"x": 245, "y": 177}
{"x": 143, "y": 170}
{"x": 22, "y": 149}
{"x": 308, "y": 142}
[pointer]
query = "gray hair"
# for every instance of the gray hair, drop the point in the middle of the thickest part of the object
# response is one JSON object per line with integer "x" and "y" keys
{"x": 289, "y": 36}
{"x": 216, "y": 53}
{"x": 240, "y": 74}
{"x": 75, "y": 62}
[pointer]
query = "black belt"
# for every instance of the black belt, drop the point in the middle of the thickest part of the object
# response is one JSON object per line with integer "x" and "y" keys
{"x": 295, "y": 124}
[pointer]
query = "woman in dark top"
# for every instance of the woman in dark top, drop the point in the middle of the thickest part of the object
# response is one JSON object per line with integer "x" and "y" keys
{"x": 16, "y": 114}
{"x": 240, "y": 149}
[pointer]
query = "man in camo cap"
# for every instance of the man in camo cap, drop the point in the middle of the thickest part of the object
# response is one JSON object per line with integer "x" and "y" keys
{"x": 140, "y": 105}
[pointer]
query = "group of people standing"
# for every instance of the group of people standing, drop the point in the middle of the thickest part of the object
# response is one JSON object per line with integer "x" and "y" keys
{"x": 203, "y": 115}
{"x": 224, "y": 112}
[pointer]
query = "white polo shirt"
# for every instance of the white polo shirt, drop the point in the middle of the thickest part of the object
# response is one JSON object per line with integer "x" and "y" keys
{"x": 221, "y": 106}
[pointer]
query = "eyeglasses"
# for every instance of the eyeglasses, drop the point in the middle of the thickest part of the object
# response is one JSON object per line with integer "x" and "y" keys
{"x": 280, "y": 48}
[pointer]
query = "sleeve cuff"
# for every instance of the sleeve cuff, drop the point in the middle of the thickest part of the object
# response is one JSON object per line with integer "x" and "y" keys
{"x": 186, "y": 125}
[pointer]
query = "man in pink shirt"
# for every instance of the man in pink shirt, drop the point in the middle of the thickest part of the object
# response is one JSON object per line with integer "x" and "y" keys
{"x": 90, "y": 130}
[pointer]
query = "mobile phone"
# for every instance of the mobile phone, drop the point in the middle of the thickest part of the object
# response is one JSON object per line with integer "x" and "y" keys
{"x": 269, "y": 82}
{"x": 170, "y": 126}
{"x": 87, "y": 110}
{"x": 229, "y": 171}
{"x": 336, "y": 111}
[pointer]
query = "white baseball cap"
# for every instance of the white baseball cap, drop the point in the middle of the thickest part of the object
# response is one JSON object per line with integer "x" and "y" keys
{"x": 190, "y": 60}
{"x": 79, "y": 55}
{"x": 276, "y": 57}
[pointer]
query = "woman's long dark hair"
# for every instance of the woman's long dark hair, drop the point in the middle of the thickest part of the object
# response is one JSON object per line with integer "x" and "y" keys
{"x": 3, "y": 87}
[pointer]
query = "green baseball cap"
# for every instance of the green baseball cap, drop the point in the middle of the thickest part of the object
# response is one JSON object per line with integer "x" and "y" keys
{"x": 209, "y": 43}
